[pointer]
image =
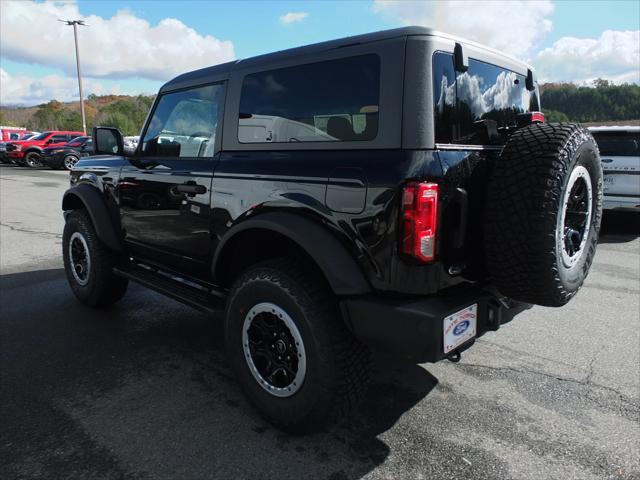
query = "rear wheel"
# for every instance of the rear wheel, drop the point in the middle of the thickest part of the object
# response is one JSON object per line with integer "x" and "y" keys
{"x": 89, "y": 264}
{"x": 543, "y": 214}
{"x": 291, "y": 351}
{"x": 32, "y": 159}
{"x": 69, "y": 161}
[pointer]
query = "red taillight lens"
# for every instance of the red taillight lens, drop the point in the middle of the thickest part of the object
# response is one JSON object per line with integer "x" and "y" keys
{"x": 537, "y": 117}
{"x": 420, "y": 220}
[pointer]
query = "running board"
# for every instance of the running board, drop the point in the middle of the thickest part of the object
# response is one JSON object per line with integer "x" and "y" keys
{"x": 204, "y": 299}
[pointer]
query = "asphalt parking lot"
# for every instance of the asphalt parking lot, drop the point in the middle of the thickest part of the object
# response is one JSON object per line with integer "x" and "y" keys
{"x": 142, "y": 390}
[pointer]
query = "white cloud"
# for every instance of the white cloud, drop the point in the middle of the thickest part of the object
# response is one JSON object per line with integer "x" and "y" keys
{"x": 615, "y": 56}
{"x": 293, "y": 17}
{"x": 514, "y": 27}
{"x": 120, "y": 47}
{"x": 24, "y": 90}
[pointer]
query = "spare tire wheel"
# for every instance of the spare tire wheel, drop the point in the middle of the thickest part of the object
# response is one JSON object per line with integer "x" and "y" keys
{"x": 542, "y": 219}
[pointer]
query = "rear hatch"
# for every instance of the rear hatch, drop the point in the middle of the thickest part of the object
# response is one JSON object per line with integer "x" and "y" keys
{"x": 620, "y": 154}
{"x": 475, "y": 111}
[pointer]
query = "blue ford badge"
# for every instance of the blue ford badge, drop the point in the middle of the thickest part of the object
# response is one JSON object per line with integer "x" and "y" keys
{"x": 461, "y": 328}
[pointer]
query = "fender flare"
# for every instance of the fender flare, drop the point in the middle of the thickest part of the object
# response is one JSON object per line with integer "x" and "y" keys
{"x": 91, "y": 199}
{"x": 339, "y": 267}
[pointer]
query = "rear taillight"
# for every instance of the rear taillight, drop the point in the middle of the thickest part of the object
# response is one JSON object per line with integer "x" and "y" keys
{"x": 420, "y": 220}
{"x": 524, "y": 119}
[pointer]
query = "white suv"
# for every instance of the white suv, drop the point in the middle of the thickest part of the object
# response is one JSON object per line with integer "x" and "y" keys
{"x": 620, "y": 154}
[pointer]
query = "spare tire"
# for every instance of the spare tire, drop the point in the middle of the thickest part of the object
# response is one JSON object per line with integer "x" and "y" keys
{"x": 543, "y": 211}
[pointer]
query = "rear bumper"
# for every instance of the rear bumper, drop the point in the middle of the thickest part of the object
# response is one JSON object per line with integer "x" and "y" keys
{"x": 414, "y": 328}
{"x": 619, "y": 202}
{"x": 15, "y": 154}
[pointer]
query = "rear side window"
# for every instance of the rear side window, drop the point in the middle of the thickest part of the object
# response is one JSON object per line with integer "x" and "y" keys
{"x": 477, "y": 107}
{"x": 623, "y": 144}
{"x": 332, "y": 101}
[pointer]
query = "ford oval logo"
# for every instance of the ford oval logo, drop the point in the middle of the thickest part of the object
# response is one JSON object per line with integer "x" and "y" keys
{"x": 461, "y": 328}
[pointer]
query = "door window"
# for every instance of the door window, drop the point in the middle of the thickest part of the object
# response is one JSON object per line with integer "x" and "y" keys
{"x": 184, "y": 123}
{"x": 58, "y": 139}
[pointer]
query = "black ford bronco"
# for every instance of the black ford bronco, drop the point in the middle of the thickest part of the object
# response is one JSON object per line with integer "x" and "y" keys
{"x": 395, "y": 191}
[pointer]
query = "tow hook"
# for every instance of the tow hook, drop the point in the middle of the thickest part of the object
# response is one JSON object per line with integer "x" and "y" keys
{"x": 454, "y": 356}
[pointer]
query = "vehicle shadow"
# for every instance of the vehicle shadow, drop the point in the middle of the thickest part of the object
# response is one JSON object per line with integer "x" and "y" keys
{"x": 619, "y": 227}
{"x": 143, "y": 389}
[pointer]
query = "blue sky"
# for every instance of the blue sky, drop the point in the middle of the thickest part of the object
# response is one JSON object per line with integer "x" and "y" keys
{"x": 566, "y": 40}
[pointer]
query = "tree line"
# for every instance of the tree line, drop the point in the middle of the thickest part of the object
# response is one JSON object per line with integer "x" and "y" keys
{"x": 602, "y": 101}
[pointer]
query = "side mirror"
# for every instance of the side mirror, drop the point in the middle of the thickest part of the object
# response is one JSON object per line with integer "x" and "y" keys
{"x": 107, "y": 141}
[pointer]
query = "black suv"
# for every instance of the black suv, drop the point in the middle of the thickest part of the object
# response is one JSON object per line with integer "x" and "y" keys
{"x": 397, "y": 191}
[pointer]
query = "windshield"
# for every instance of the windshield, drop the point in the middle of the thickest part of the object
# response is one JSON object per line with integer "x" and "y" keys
{"x": 624, "y": 144}
{"x": 42, "y": 136}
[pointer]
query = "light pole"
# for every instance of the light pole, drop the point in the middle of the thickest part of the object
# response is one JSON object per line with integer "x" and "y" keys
{"x": 75, "y": 24}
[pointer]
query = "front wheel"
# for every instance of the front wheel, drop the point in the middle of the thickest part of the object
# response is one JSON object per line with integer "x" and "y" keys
{"x": 289, "y": 348}
{"x": 32, "y": 159}
{"x": 89, "y": 264}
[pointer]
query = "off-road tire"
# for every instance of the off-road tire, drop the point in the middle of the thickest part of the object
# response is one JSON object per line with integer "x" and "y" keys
{"x": 32, "y": 160}
{"x": 337, "y": 365}
{"x": 102, "y": 287}
{"x": 526, "y": 193}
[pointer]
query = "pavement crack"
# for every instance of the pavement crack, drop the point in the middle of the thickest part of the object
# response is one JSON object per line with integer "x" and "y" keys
{"x": 587, "y": 382}
{"x": 27, "y": 230}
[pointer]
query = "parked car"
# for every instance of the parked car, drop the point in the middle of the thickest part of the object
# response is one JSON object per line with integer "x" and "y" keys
{"x": 8, "y": 134}
{"x": 378, "y": 202}
{"x": 28, "y": 152}
{"x": 620, "y": 152}
{"x": 67, "y": 155}
{"x": 3, "y": 145}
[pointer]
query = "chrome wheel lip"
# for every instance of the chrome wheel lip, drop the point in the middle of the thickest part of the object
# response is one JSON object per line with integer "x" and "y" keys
{"x": 281, "y": 314}
{"x": 79, "y": 269}
{"x": 579, "y": 174}
{"x": 69, "y": 164}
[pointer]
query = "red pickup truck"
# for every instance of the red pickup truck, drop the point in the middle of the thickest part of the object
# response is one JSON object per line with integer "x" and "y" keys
{"x": 28, "y": 152}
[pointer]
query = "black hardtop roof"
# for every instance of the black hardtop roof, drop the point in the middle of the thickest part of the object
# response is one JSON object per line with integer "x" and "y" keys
{"x": 198, "y": 77}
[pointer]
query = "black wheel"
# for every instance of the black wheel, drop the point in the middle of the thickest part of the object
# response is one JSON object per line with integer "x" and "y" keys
{"x": 32, "y": 159}
{"x": 69, "y": 161}
{"x": 290, "y": 349}
{"x": 543, "y": 213}
{"x": 88, "y": 263}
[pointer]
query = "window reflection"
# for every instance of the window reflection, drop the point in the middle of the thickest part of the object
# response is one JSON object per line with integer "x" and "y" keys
{"x": 477, "y": 106}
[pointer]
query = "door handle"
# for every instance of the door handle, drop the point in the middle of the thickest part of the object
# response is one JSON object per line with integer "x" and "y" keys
{"x": 191, "y": 189}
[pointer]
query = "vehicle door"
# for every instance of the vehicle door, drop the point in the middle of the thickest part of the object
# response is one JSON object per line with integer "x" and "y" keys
{"x": 164, "y": 192}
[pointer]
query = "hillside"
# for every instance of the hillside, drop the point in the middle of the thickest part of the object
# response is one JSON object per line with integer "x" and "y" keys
{"x": 602, "y": 103}
{"x": 122, "y": 111}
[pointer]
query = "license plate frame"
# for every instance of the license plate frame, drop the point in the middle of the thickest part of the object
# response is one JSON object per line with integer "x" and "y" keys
{"x": 459, "y": 327}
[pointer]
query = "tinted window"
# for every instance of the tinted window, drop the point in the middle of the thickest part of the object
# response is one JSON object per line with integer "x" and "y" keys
{"x": 330, "y": 101}
{"x": 184, "y": 123}
{"x": 59, "y": 139}
{"x": 618, "y": 144}
{"x": 478, "y": 106}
